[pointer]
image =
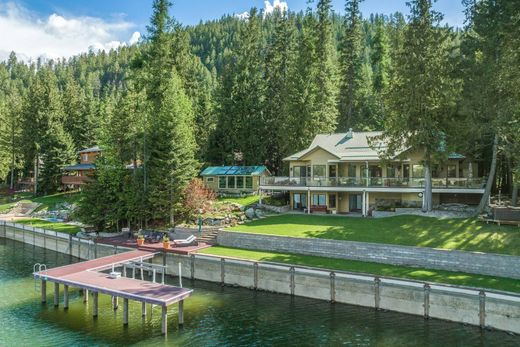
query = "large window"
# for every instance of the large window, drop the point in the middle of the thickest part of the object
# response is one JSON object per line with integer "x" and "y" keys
{"x": 299, "y": 171}
{"x": 452, "y": 171}
{"x": 231, "y": 182}
{"x": 417, "y": 171}
{"x": 249, "y": 182}
{"x": 391, "y": 171}
{"x": 332, "y": 171}
{"x": 240, "y": 182}
{"x": 319, "y": 170}
{"x": 222, "y": 182}
{"x": 351, "y": 170}
{"x": 375, "y": 171}
{"x": 299, "y": 201}
{"x": 332, "y": 200}
{"x": 319, "y": 200}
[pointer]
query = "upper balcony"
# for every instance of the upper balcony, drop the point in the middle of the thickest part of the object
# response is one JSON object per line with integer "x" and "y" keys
{"x": 373, "y": 182}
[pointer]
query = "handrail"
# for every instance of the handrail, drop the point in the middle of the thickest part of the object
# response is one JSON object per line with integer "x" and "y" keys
{"x": 385, "y": 182}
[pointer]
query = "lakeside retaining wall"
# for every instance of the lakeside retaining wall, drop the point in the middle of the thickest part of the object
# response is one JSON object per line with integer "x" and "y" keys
{"x": 440, "y": 259}
{"x": 476, "y": 307}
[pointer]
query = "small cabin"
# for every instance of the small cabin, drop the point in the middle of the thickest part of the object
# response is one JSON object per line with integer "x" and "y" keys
{"x": 79, "y": 174}
{"x": 234, "y": 179}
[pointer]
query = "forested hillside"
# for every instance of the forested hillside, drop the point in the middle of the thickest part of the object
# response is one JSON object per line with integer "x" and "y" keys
{"x": 235, "y": 91}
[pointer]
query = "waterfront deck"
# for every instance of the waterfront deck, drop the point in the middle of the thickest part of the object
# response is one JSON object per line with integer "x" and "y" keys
{"x": 89, "y": 277}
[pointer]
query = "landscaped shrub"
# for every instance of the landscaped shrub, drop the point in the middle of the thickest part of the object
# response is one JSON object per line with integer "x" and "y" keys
{"x": 275, "y": 201}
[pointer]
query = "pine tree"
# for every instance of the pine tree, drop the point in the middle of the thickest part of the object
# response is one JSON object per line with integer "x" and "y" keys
{"x": 325, "y": 111}
{"x": 279, "y": 64}
{"x": 49, "y": 147}
{"x": 422, "y": 91}
{"x": 351, "y": 67}
{"x": 169, "y": 145}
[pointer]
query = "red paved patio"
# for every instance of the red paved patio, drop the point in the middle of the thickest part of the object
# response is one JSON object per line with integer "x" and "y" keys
{"x": 123, "y": 241}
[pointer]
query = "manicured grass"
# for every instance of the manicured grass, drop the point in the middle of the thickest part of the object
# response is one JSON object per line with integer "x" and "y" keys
{"x": 418, "y": 274}
{"x": 461, "y": 234}
{"x": 47, "y": 202}
{"x": 8, "y": 202}
{"x": 244, "y": 201}
{"x": 56, "y": 226}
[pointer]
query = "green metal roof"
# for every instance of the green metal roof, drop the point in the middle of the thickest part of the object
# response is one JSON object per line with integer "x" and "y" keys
{"x": 456, "y": 156}
{"x": 80, "y": 167}
{"x": 233, "y": 170}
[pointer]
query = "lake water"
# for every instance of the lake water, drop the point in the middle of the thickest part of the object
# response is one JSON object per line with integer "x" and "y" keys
{"x": 214, "y": 316}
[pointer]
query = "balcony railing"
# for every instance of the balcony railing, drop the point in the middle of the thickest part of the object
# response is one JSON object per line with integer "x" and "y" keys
{"x": 387, "y": 182}
{"x": 75, "y": 180}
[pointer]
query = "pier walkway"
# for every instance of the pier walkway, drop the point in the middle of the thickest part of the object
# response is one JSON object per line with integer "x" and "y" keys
{"x": 92, "y": 276}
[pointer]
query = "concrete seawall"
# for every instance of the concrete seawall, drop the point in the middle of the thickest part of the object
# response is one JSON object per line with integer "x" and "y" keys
{"x": 440, "y": 259}
{"x": 492, "y": 309}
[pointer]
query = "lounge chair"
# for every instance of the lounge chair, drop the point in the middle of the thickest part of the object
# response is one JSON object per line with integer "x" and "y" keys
{"x": 190, "y": 241}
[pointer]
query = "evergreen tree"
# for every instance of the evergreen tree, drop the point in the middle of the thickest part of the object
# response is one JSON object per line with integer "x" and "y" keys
{"x": 422, "y": 91}
{"x": 351, "y": 67}
{"x": 49, "y": 147}
{"x": 325, "y": 111}
{"x": 279, "y": 64}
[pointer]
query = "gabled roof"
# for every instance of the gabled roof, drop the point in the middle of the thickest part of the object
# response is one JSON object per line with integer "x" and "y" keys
{"x": 350, "y": 146}
{"x": 79, "y": 167}
{"x": 234, "y": 170}
{"x": 90, "y": 150}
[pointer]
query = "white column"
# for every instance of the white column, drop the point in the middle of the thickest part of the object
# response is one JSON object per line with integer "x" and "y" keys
{"x": 125, "y": 311}
{"x": 65, "y": 297}
{"x": 164, "y": 320}
{"x": 308, "y": 201}
{"x": 143, "y": 308}
{"x": 363, "y": 204}
{"x": 368, "y": 203}
{"x": 85, "y": 295}
{"x": 115, "y": 302}
{"x": 56, "y": 294}
{"x": 95, "y": 296}
{"x": 181, "y": 312}
{"x": 44, "y": 291}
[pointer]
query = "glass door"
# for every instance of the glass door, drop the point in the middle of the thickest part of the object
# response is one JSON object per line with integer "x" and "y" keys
{"x": 355, "y": 202}
{"x": 299, "y": 201}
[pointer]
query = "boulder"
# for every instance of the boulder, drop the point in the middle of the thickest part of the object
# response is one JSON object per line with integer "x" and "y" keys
{"x": 250, "y": 213}
{"x": 259, "y": 213}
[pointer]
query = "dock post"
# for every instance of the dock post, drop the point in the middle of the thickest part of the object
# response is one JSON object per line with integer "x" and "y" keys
{"x": 56, "y": 294}
{"x": 125, "y": 311}
{"x": 85, "y": 295}
{"x": 66, "y": 297}
{"x": 181, "y": 312}
{"x": 95, "y": 305}
{"x": 44, "y": 291}
{"x": 143, "y": 308}
{"x": 164, "y": 320}
{"x": 115, "y": 302}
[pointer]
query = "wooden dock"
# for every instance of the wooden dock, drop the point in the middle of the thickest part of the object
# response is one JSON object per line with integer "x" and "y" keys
{"x": 89, "y": 276}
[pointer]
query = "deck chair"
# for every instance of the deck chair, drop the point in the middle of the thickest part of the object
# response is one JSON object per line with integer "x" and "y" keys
{"x": 190, "y": 241}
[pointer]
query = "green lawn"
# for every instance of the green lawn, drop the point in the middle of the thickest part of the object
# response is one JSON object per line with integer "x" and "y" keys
{"x": 57, "y": 226}
{"x": 418, "y": 274}
{"x": 47, "y": 202}
{"x": 244, "y": 201}
{"x": 462, "y": 234}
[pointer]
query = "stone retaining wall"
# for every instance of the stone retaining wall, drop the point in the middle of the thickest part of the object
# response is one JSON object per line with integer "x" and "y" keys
{"x": 482, "y": 308}
{"x": 440, "y": 259}
{"x": 470, "y": 306}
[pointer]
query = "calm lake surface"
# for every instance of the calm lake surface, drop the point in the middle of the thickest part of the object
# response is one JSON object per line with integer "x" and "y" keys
{"x": 214, "y": 316}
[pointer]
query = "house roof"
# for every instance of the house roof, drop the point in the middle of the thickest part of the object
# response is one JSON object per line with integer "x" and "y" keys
{"x": 90, "y": 150}
{"x": 234, "y": 170}
{"x": 349, "y": 146}
{"x": 79, "y": 167}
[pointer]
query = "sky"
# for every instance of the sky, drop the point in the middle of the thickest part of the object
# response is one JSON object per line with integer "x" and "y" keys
{"x": 62, "y": 28}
